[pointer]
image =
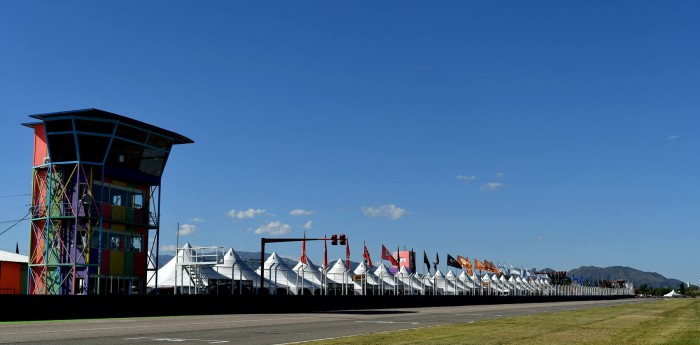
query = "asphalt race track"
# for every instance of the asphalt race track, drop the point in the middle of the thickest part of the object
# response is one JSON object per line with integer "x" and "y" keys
{"x": 267, "y": 328}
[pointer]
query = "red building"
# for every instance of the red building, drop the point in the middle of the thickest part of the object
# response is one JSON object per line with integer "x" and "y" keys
{"x": 13, "y": 273}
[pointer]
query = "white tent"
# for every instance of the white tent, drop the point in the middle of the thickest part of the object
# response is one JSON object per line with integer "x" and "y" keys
{"x": 673, "y": 293}
{"x": 382, "y": 272}
{"x": 459, "y": 285}
{"x": 372, "y": 281}
{"x": 408, "y": 281}
{"x": 498, "y": 284}
{"x": 487, "y": 283}
{"x": 282, "y": 277}
{"x": 186, "y": 275}
{"x": 233, "y": 267}
{"x": 340, "y": 274}
{"x": 426, "y": 281}
{"x": 309, "y": 272}
{"x": 475, "y": 279}
{"x": 466, "y": 280}
{"x": 504, "y": 282}
{"x": 524, "y": 284}
{"x": 443, "y": 284}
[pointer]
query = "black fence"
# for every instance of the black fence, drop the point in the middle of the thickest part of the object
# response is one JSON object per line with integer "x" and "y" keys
{"x": 28, "y": 307}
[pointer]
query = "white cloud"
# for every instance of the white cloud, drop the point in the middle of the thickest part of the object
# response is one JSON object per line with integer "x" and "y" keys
{"x": 308, "y": 225}
{"x": 466, "y": 178}
{"x": 491, "y": 186}
{"x": 197, "y": 220}
{"x": 246, "y": 214}
{"x": 673, "y": 137}
{"x": 499, "y": 174}
{"x": 187, "y": 229}
{"x": 168, "y": 248}
{"x": 273, "y": 228}
{"x": 389, "y": 211}
{"x": 541, "y": 238}
{"x": 300, "y": 212}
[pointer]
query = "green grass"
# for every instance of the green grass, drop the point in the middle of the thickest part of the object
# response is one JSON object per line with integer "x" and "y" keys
{"x": 674, "y": 321}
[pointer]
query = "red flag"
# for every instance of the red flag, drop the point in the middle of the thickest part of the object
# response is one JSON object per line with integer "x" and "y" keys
{"x": 303, "y": 250}
{"x": 386, "y": 255}
{"x": 325, "y": 253}
{"x": 347, "y": 253}
{"x": 366, "y": 255}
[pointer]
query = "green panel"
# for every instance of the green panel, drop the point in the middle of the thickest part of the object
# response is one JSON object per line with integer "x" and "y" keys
{"x": 129, "y": 264}
{"x": 53, "y": 280}
{"x": 55, "y": 209}
{"x": 23, "y": 279}
{"x": 130, "y": 213}
{"x": 53, "y": 256}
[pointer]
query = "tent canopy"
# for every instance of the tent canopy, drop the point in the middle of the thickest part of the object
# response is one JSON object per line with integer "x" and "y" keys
{"x": 673, "y": 293}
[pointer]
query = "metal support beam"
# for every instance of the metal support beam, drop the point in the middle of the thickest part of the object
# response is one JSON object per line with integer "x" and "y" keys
{"x": 275, "y": 240}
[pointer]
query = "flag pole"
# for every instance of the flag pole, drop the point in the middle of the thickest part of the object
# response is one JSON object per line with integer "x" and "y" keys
{"x": 381, "y": 276}
{"x": 177, "y": 249}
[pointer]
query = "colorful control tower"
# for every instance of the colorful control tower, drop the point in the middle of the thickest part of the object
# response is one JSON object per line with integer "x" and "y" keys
{"x": 95, "y": 201}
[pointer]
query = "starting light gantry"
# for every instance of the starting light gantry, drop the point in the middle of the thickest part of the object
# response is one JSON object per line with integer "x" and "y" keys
{"x": 335, "y": 240}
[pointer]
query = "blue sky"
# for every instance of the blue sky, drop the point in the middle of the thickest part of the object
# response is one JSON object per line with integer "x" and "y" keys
{"x": 538, "y": 134}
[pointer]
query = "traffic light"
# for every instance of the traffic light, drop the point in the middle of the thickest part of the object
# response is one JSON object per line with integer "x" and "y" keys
{"x": 334, "y": 240}
{"x": 342, "y": 239}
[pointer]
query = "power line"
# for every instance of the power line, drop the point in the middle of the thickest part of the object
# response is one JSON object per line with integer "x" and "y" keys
{"x": 10, "y": 221}
{"x": 26, "y": 216}
{"x": 14, "y": 195}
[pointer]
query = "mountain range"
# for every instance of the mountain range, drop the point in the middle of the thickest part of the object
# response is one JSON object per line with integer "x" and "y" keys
{"x": 635, "y": 276}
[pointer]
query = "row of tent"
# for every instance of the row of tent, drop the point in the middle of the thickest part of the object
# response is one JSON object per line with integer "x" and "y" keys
{"x": 192, "y": 272}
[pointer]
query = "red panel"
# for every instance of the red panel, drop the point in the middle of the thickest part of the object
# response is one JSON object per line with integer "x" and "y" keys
{"x": 37, "y": 243}
{"x": 138, "y": 216}
{"x": 404, "y": 259}
{"x": 140, "y": 265}
{"x": 106, "y": 210}
{"x": 104, "y": 265}
{"x": 40, "y": 150}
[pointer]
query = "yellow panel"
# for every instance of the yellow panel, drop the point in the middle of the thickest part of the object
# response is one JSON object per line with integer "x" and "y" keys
{"x": 118, "y": 212}
{"x": 116, "y": 263}
{"x": 121, "y": 227}
{"x": 119, "y": 183}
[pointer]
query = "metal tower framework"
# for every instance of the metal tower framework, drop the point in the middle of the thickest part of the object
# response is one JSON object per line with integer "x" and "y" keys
{"x": 95, "y": 202}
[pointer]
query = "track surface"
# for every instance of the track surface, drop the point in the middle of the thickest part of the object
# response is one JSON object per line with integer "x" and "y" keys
{"x": 267, "y": 328}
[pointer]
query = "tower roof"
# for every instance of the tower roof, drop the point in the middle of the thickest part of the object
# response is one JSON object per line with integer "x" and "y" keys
{"x": 97, "y": 114}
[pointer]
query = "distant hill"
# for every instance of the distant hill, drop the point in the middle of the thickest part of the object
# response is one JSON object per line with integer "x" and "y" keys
{"x": 636, "y": 277}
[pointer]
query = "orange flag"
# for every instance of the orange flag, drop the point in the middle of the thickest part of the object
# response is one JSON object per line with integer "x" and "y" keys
{"x": 479, "y": 265}
{"x": 464, "y": 262}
